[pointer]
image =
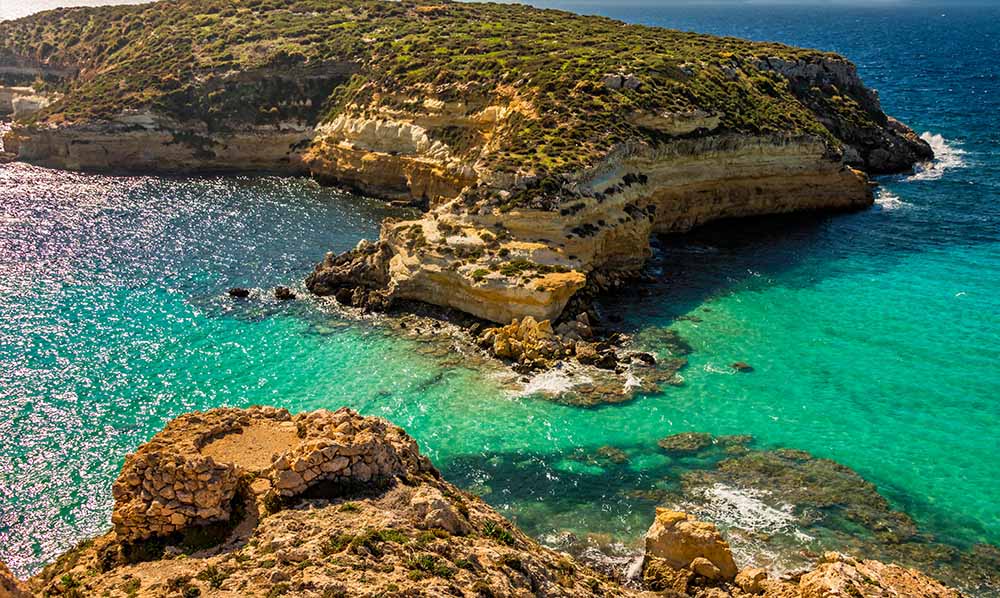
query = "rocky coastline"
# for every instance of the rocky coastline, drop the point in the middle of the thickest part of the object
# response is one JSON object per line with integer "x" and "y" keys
{"x": 260, "y": 502}
{"x": 540, "y": 189}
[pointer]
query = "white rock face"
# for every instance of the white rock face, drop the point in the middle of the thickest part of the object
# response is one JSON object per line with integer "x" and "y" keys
{"x": 385, "y": 136}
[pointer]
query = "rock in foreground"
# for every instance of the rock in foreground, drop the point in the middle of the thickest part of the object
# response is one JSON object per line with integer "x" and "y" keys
{"x": 258, "y": 502}
{"x": 262, "y": 503}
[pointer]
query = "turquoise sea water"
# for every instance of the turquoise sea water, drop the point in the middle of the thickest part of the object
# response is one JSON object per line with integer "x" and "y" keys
{"x": 875, "y": 336}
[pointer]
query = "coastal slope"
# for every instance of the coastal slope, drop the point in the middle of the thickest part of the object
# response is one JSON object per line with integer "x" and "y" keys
{"x": 260, "y": 502}
{"x": 544, "y": 147}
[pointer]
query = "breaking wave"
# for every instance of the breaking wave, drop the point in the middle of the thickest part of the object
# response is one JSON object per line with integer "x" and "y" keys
{"x": 888, "y": 201}
{"x": 947, "y": 156}
{"x": 744, "y": 508}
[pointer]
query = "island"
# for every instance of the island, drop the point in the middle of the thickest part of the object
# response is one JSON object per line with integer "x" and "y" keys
{"x": 544, "y": 148}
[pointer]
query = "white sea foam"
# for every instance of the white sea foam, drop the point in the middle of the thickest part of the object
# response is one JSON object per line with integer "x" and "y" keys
{"x": 745, "y": 508}
{"x": 947, "y": 156}
{"x": 553, "y": 383}
{"x": 888, "y": 201}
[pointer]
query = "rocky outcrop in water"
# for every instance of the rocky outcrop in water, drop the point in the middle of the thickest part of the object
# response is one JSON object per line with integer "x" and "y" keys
{"x": 681, "y": 541}
{"x": 328, "y": 503}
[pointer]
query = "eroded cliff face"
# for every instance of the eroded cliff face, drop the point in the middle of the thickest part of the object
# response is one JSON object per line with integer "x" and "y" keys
{"x": 501, "y": 265}
{"x": 143, "y": 142}
{"x": 538, "y": 175}
{"x": 260, "y": 502}
{"x": 503, "y": 246}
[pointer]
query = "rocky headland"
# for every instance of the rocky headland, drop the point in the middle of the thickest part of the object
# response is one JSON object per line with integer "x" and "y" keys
{"x": 259, "y": 502}
{"x": 545, "y": 148}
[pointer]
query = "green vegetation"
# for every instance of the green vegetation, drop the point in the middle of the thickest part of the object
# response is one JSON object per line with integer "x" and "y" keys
{"x": 498, "y": 533}
{"x": 425, "y": 564}
{"x": 520, "y": 266}
{"x": 213, "y": 575}
{"x": 235, "y": 63}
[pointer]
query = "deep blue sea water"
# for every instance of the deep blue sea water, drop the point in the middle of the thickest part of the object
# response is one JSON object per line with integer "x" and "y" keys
{"x": 875, "y": 336}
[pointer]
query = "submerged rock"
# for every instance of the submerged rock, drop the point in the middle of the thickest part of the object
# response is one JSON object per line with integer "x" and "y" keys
{"x": 686, "y": 442}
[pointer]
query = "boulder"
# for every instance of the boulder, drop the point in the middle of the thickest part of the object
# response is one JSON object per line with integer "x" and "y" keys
{"x": 838, "y": 576}
{"x": 528, "y": 342}
{"x": 679, "y": 539}
{"x": 434, "y": 511}
{"x": 751, "y": 580}
{"x": 705, "y": 568}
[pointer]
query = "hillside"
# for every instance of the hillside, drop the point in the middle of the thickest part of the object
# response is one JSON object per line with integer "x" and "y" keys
{"x": 546, "y": 146}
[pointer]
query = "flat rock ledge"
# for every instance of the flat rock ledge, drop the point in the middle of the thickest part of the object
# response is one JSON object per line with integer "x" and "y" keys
{"x": 333, "y": 504}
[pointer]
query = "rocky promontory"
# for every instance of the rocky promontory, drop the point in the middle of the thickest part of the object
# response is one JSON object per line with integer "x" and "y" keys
{"x": 259, "y": 502}
{"x": 545, "y": 147}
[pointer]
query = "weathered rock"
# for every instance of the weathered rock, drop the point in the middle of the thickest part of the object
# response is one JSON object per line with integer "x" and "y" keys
{"x": 705, "y": 568}
{"x": 433, "y": 510}
{"x": 679, "y": 539}
{"x": 751, "y": 580}
{"x": 357, "y": 278}
{"x": 283, "y": 293}
{"x": 841, "y": 576}
{"x": 528, "y": 342}
{"x": 209, "y": 454}
{"x": 10, "y": 586}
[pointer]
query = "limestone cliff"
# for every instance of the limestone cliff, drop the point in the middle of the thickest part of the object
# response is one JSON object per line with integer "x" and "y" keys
{"x": 546, "y": 146}
{"x": 259, "y": 502}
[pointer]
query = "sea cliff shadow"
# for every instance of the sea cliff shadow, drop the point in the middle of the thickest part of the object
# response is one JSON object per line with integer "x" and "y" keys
{"x": 687, "y": 270}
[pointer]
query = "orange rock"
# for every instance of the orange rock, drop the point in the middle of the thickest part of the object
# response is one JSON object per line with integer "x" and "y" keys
{"x": 679, "y": 539}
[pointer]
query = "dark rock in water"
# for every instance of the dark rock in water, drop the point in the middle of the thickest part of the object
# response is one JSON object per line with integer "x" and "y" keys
{"x": 586, "y": 353}
{"x": 607, "y": 360}
{"x": 742, "y": 367}
{"x": 345, "y": 296}
{"x": 686, "y": 442}
{"x": 283, "y": 294}
{"x": 646, "y": 358}
{"x": 239, "y": 292}
{"x": 819, "y": 490}
{"x": 694, "y": 319}
{"x": 612, "y": 454}
{"x": 670, "y": 339}
{"x": 357, "y": 278}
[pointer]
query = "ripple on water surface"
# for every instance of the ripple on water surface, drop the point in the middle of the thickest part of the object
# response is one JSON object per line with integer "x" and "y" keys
{"x": 874, "y": 337}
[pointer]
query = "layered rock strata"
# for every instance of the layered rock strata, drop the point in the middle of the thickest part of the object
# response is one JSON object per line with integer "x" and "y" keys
{"x": 540, "y": 176}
